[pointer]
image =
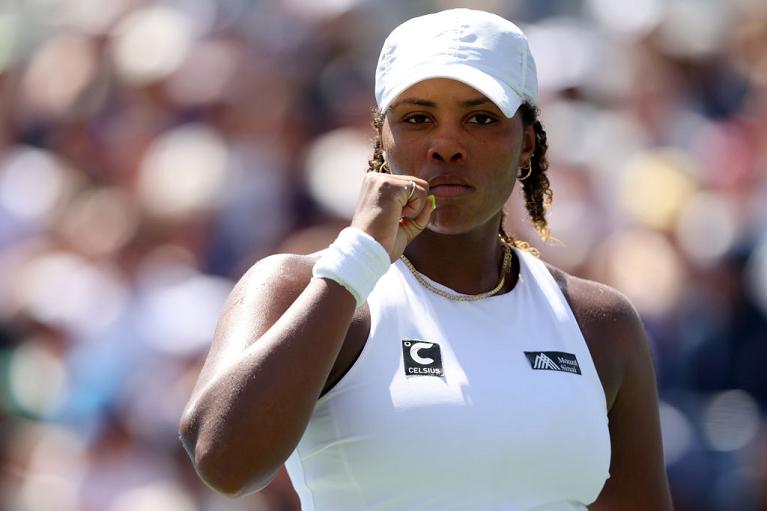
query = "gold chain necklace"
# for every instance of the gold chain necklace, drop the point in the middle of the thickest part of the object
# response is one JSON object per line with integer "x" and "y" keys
{"x": 463, "y": 298}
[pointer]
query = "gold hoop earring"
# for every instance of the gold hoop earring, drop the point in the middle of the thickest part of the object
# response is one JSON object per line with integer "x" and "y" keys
{"x": 528, "y": 168}
{"x": 384, "y": 168}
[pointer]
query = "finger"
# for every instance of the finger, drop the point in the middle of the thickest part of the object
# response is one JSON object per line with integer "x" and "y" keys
{"x": 422, "y": 219}
{"x": 415, "y": 201}
{"x": 417, "y": 180}
{"x": 410, "y": 188}
{"x": 414, "y": 226}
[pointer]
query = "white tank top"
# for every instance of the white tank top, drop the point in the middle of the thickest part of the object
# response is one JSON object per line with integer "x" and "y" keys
{"x": 491, "y": 405}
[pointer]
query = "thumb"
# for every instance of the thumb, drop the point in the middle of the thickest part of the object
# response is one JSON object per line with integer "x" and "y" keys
{"x": 414, "y": 226}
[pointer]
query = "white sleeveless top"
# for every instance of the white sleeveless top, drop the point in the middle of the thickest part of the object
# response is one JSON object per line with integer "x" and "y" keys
{"x": 492, "y": 405}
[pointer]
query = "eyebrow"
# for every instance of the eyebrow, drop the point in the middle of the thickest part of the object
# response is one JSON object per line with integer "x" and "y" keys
{"x": 481, "y": 100}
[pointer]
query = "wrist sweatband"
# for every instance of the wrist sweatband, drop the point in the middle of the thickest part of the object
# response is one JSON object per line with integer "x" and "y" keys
{"x": 355, "y": 260}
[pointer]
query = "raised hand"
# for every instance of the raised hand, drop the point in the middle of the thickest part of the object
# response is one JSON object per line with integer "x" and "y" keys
{"x": 393, "y": 209}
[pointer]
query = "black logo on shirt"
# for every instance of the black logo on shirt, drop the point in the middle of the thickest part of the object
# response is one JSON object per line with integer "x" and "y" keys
{"x": 422, "y": 358}
{"x": 553, "y": 361}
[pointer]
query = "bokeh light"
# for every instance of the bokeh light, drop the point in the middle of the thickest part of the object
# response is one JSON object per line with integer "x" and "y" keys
{"x": 101, "y": 221}
{"x": 37, "y": 379}
{"x": 55, "y": 459}
{"x": 151, "y": 43}
{"x": 565, "y": 53}
{"x": 32, "y": 184}
{"x": 656, "y": 187}
{"x": 9, "y": 24}
{"x": 194, "y": 297}
{"x": 205, "y": 74}
{"x": 692, "y": 28}
{"x": 677, "y": 433}
{"x": 183, "y": 172}
{"x": 68, "y": 291}
{"x": 69, "y": 61}
{"x": 645, "y": 266}
{"x": 633, "y": 19}
{"x": 707, "y": 228}
{"x": 166, "y": 496}
{"x": 731, "y": 420}
{"x": 336, "y": 164}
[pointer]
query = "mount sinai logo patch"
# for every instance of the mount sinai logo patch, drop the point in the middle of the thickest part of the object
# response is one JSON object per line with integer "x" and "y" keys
{"x": 553, "y": 361}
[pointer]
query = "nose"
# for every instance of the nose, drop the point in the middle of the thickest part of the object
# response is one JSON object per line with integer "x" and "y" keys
{"x": 446, "y": 146}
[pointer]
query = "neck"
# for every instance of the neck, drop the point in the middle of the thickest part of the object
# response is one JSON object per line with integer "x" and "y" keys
{"x": 468, "y": 263}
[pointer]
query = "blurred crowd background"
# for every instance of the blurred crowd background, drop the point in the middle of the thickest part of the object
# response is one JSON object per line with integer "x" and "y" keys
{"x": 151, "y": 151}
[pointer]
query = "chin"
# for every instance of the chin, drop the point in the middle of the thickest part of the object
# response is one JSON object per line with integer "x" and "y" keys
{"x": 454, "y": 221}
{"x": 450, "y": 224}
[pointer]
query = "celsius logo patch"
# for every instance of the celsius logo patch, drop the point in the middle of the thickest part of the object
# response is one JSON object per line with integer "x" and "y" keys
{"x": 422, "y": 358}
{"x": 553, "y": 361}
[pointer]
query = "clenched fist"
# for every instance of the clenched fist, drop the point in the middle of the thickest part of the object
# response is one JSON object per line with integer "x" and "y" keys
{"x": 393, "y": 209}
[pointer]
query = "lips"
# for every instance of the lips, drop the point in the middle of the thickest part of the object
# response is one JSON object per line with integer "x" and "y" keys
{"x": 449, "y": 186}
{"x": 450, "y": 190}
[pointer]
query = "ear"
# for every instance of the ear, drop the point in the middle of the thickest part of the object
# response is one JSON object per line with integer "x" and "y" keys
{"x": 384, "y": 134}
{"x": 528, "y": 144}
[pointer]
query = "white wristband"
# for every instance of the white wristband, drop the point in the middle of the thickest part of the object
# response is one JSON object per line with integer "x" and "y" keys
{"x": 355, "y": 260}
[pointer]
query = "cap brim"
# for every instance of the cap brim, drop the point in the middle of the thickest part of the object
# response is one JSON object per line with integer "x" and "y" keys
{"x": 504, "y": 97}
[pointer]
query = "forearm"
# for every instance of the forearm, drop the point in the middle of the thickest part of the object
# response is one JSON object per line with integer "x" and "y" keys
{"x": 248, "y": 419}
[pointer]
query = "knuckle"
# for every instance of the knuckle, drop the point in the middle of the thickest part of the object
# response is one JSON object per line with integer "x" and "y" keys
{"x": 377, "y": 184}
{"x": 370, "y": 178}
{"x": 386, "y": 186}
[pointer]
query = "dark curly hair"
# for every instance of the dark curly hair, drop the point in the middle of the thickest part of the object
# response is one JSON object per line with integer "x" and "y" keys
{"x": 536, "y": 186}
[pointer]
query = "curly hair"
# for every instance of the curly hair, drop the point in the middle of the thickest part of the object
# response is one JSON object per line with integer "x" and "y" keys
{"x": 536, "y": 186}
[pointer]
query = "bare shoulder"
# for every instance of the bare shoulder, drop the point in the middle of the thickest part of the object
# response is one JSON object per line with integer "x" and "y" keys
{"x": 275, "y": 282}
{"x": 279, "y": 273}
{"x": 610, "y": 325}
{"x": 596, "y": 301}
{"x": 261, "y": 297}
{"x": 258, "y": 299}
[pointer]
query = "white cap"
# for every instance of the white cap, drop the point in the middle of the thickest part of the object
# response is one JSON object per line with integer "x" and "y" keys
{"x": 480, "y": 49}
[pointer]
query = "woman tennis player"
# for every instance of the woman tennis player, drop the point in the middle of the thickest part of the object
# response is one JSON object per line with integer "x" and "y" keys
{"x": 425, "y": 360}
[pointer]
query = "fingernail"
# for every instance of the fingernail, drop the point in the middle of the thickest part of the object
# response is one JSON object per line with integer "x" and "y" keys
{"x": 433, "y": 200}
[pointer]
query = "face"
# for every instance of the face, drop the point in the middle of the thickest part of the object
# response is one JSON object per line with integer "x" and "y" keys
{"x": 451, "y": 135}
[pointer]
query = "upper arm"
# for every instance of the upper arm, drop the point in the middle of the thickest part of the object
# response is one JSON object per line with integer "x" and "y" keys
{"x": 256, "y": 302}
{"x": 637, "y": 472}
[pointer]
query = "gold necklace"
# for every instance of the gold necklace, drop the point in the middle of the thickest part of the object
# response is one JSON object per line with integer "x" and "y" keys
{"x": 464, "y": 298}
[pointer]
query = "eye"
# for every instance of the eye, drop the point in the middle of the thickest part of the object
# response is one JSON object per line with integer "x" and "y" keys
{"x": 417, "y": 119}
{"x": 481, "y": 119}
